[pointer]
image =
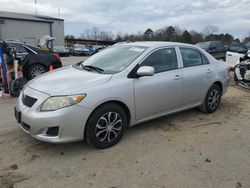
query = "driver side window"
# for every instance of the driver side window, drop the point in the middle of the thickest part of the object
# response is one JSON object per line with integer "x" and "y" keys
{"x": 162, "y": 60}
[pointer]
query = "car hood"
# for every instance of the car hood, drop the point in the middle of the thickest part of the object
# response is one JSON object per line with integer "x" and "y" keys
{"x": 67, "y": 80}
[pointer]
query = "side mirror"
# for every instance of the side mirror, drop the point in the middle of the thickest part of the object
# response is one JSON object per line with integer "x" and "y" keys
{"x": 145, "y": 71}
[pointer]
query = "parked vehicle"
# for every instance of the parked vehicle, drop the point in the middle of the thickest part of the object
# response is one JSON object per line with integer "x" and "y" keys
{"x": 79, "y": 49}
{"x": 34, "y": 60}
{"x": 242, "y": 71}
{"x": 61, "y": 51}
{"x": 95, "y": 48}
{"x": 235, "y": 52}
{"x": 215, "y": 48}
{"x": 124, "y": 85}
{"x": 237, "y": 47}
{"x": 248, "y": 46}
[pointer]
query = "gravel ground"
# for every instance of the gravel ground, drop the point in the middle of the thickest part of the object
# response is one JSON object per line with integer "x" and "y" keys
{"x": 187, "y": 150}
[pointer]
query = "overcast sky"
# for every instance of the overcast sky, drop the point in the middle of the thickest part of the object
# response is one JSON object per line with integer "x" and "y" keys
{"x": 131, "y": 16}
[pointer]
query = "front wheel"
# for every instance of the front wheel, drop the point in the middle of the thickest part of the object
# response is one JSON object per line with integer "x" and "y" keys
{"x": 212, "y": 99}
{"x": 106, "y": 126}
{"x": 17, "y": 86}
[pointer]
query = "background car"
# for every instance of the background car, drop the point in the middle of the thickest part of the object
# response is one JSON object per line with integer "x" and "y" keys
{"x": 237, "y": 47}
{"x": 61, "y": 51}
{"x": 248, "y": 46}
{"x": 96, "y": 48}
{"x": 34, "y": 60}
{"x": 79, "y": 49}
{"x": 215, "y": 48}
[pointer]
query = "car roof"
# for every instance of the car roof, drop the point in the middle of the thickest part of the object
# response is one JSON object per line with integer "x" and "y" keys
{"x": 155, "y": 44}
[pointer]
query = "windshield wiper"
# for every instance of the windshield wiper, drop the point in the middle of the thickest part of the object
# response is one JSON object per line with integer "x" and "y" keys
{"x": 90, "y": 67}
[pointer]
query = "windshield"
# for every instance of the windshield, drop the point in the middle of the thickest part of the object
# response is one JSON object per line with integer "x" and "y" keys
{"x": 115, "y": 59}
{"x": 80, "y": 46}
{"x": 204, "y": 45}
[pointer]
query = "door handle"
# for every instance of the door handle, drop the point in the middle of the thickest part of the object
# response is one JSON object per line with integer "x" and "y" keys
{"x": 229, "y": 55}
{"x": 209, "y": 71}
{"x": 177, "y": 77}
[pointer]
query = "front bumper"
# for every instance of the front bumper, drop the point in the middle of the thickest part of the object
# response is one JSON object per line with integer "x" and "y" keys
{"x": 82, "y": 52}
{"x": 70, "y": 121}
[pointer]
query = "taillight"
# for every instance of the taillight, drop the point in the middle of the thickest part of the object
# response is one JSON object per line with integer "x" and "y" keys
{"x": 229, "y": 69}
{"x": 57, "y": 57}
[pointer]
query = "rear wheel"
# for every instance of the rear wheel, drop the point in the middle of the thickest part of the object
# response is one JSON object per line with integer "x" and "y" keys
{"x": 36, "y": 70}
{"x": 212, "y": 99}
{"x": 106, "y": 126}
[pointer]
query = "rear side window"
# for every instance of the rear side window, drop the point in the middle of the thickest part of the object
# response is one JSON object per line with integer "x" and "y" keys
{"x": 22, "y": 50}
{"x": 192, "y": 57}
{"x": 17, "y": 46}
{"x": 162, "y": 60}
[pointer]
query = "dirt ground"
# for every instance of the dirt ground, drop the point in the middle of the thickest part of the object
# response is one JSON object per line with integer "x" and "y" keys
{"x": 185, "y": 150}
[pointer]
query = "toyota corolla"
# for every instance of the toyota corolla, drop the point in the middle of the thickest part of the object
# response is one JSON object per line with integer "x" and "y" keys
{"x": 127, "y": 84}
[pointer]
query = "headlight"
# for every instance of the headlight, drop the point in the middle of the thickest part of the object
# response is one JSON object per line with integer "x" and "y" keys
{"x": 57, "y": 102}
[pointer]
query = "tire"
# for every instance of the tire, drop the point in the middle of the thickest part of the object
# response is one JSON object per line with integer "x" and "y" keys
{"x": 36, "y": 70}
{"x": 99, "y": 132}
{"x": 17, "y": 86}
{"x": 212, "y": 99}
{"x": 235, "y": 77}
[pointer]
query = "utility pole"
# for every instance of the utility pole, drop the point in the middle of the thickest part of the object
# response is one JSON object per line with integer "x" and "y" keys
{"x": 35, "y": 8}
{"x": 59, "y": 13}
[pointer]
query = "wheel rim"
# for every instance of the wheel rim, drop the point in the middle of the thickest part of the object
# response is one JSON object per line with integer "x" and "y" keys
{"x": 108, "y": 127}
{"x": 18, "y": 86}
{"x": 36, "y": 71}
{"x": 214, "y": 99}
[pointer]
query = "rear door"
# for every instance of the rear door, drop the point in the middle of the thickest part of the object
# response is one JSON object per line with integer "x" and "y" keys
{"x": 197, "y": 76}
{"x": 161, "y": 92}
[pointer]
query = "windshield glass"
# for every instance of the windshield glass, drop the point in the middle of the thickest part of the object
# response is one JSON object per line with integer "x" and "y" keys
{"x": 204, "y": 45}
{"x": 115, "y": 59}
{"x": 80, "y": 46}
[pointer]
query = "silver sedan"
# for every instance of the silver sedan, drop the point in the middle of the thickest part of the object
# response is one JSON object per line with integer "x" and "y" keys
{"x": 127, "y": 84}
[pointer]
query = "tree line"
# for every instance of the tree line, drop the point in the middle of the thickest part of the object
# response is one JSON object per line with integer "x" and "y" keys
{"x": 168, "y": 33}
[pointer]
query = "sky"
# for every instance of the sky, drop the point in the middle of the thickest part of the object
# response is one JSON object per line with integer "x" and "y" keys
{"x": 131, "y": 16}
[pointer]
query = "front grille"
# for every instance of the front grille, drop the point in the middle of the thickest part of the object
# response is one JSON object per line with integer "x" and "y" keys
{"x": 28, "y": 101}
{"x": 25, "y": 126}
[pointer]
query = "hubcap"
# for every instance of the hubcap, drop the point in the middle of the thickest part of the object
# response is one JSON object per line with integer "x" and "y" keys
{"x": 36, "y": 71}
{"x": 213, "y": 99}
{"x": 108, "y": 127}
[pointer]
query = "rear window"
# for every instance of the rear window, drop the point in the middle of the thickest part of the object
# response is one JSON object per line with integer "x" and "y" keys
{"x": 192, "y": 57}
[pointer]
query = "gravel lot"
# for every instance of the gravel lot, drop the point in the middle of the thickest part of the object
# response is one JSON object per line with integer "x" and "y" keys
{"x": 187, "y": 150}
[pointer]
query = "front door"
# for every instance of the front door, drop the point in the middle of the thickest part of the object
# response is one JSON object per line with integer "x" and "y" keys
{"x": 161, "y": 92}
